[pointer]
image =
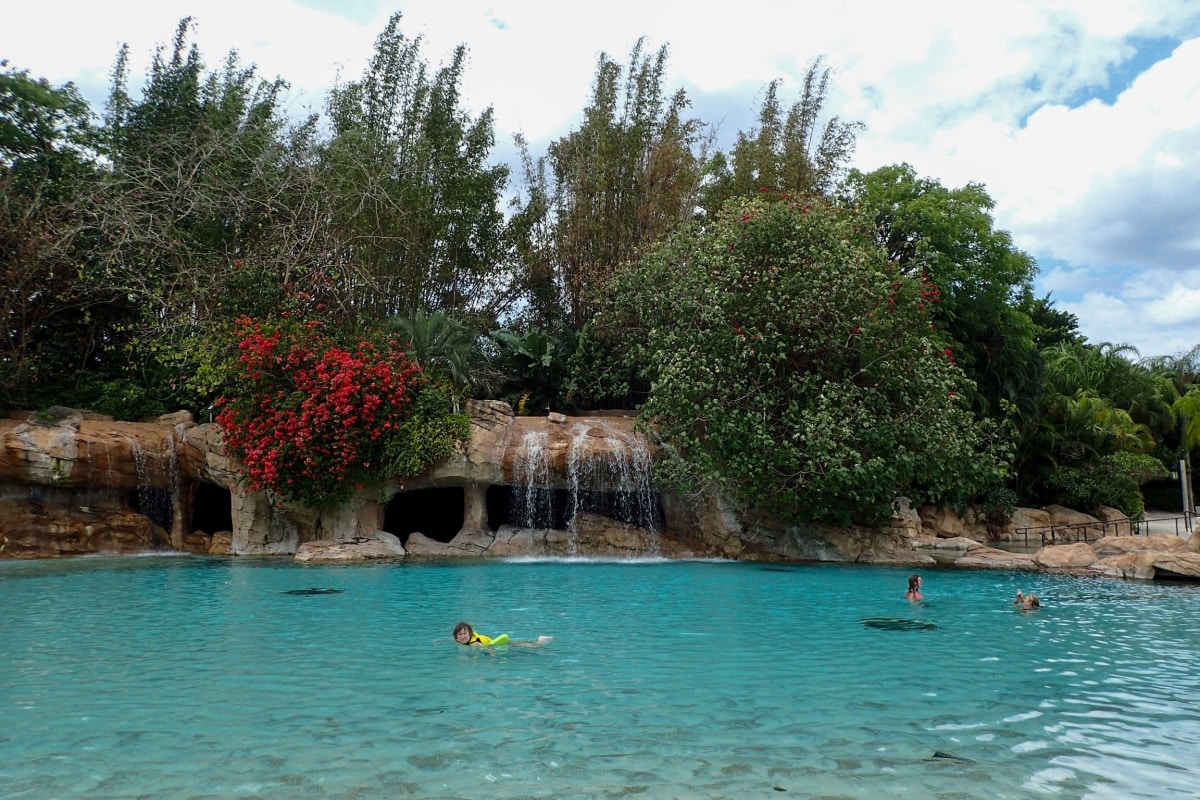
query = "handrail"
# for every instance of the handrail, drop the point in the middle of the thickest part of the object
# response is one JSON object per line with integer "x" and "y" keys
{"x": 1082, "y": 531}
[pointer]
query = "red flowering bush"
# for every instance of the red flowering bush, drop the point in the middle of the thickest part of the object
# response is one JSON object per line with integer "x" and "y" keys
{"x": 309, "y": 417}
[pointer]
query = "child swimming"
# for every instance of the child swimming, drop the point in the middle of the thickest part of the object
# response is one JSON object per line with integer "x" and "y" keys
{"x": 464, "y": 634}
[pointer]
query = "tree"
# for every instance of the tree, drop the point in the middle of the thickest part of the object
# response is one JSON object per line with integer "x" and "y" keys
{"x": 794, "y": 366}
{"x": 1052, "y": 326}
{"x": 949, "y": 235}
{"x": 447, "y": 350}
{"x": 415, "y": 203}
{"x": 1097, "y": 404}
{"x": 786, "y": 155}
{"x": 629, "y": 174}
{"x": 48, "y": 308}
{"x": 189, "y": 204}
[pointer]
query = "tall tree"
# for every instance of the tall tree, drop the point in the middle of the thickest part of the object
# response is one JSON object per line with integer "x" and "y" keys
{"x": 627, "y": 175}
{"x": 984, "y": 281}
{"x": 47, "y": 177}
{"x": 792, "y": 153}
{"x": 415, "y": 201}
{"x": 195, "y": 170}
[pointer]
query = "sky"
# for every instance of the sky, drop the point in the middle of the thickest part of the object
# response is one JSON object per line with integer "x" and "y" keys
{"x": 1080, "y": 118}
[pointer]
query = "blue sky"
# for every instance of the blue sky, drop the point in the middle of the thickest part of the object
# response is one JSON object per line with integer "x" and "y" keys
{"x": 1082, "y": 118}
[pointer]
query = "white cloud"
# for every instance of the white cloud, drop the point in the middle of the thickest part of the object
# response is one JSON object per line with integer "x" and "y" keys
{"x": 1105, "y": 190}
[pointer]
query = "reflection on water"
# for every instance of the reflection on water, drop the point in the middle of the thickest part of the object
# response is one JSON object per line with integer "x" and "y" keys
{"x": 224, "y": 678}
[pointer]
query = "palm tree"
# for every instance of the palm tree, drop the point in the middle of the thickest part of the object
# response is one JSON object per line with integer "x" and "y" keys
{"x": 447, "y": 349}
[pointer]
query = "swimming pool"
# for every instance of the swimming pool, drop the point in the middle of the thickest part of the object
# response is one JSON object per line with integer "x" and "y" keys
{"x": 213, "y": 678}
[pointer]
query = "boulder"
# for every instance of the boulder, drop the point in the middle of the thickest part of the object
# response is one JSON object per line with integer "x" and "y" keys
{"x": 1177, "y": 565}
{"x": 943, "y": 522}
{"x": 1066, "y": 556}
{"x": 364, "y": 548}
{"x": 1136, "y": 566}
{"x": 960, "y": 543}
{"x": 220, "y": 544}
{"x": 1024, "y": 525}
{"x": 1116, "y": 545}
{"x": 992, "y": 558}
{"x": 1069, "y": 525}
{"x": 1193, "y": 542}
{"x": 1115, "y": 522}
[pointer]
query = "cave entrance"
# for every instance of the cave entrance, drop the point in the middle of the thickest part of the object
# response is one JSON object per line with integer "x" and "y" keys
{"x": 212, "y": 509}
{"x": 438, "y": 513}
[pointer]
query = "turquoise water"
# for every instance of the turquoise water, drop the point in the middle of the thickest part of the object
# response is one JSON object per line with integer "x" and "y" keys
{"x": 210, "y": 678}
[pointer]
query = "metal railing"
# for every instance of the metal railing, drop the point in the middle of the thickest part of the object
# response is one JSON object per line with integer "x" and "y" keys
{"x": 1093, "y": 531}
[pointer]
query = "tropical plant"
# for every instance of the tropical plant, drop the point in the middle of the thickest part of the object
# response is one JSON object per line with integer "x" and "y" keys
{"x": 447, "y": 351}
{"x": 534, "y": 364}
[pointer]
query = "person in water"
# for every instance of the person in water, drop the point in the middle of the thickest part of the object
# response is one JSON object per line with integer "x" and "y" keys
{"x": 466, "y": 635}
{"x": 1027, "y": 600}
{"x": 914, "y": 588}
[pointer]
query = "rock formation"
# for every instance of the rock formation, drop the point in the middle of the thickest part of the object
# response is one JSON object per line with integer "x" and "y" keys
{"x": 76, "y": 483}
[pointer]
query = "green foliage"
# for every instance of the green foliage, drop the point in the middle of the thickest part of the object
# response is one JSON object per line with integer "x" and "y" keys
{"x": 1052, "y": 326}
{"x": 121, "y": 397}
{"x": 949, "y": 235}
{"x": 793, "y": 365}
{"x": 998, "y": 504}
{"x": 1113, "y": 480}
{"x": 625, "y": 177}
{"x": 785, "y": 154}
{"x": 415, "y": 204}
{"x": 447, "y": 350}
{"x": 48, "y": 334}
{"x": 428, "y": 436}
{"x": 535, "y": 368}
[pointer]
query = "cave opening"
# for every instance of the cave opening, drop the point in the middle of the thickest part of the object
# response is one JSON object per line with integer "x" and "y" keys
{"x": 212, "y": 509}
{"x": 438, "y": 513}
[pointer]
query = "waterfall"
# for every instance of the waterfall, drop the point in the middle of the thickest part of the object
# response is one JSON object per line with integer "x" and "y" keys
{"x": 533, "y": 492}
{"x": 620, "y": 483}
{"x": 608, "y": 472}
{"x": 157, "y": 483}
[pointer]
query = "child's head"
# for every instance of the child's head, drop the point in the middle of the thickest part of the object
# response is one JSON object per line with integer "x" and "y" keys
{"x": 914, "y": 582}
{"x": 463, "y": 633}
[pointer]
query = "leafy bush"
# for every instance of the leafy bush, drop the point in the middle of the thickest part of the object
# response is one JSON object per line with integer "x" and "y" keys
{"x": 998, "y": 504}
{"x": 427, "y": 436}
{"x": 791, "y": 363}
{"x": 1115, "y": 480}
{"x": 313, "y": 419}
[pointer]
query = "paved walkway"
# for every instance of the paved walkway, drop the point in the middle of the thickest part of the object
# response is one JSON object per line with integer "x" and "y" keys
{"x": 1168, "y": 522}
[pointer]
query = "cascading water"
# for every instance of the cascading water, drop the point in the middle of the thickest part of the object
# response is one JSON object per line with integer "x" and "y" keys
{"x": 608, "y": 472}
{"x": 618, "y": 482}
{"x": 153, "y": 499}
{"x": 533, "y": 492}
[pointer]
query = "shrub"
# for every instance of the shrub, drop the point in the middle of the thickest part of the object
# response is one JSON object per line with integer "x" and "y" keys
{"x": 313, "y": 419}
